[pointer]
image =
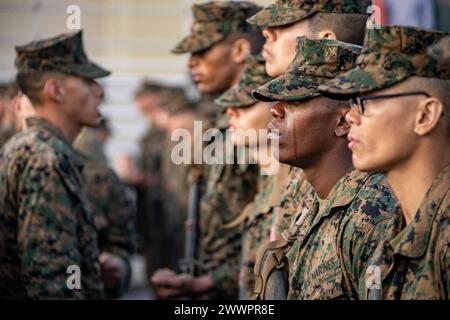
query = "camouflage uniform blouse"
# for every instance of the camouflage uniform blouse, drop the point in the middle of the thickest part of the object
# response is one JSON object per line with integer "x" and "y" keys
{"x": 415, "y": 263}
{"x": 334, "y": 242}
{"x": 45, "y": 217}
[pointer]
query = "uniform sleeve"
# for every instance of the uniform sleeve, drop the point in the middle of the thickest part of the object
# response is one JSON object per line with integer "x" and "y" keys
{"x": 121, "y": 232}
{"x": 232, "y": 192}
{"x": 47, "y": 235}
{"x": 360, "y": 242}
{"x": 120, "y": 216}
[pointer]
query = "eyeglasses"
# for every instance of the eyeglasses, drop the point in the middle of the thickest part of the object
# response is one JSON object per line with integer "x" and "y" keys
{"x": 359, "y": 102}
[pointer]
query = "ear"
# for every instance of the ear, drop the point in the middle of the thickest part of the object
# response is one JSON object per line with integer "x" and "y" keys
{"x": 327, "y": 34}
{"x": 427, "y": 118}
{"x": 241, "y": 49}
{"x": 232, "y": 111}
{"x": 53, "y": 91}
{"x": 342, "y": 126}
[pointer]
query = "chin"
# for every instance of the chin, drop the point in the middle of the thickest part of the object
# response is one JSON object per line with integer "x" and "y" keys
{"x": 283, "y": 157}
{"x": 205, "y": 89}
{"x": 365, "y": 166}
{"x": 272, "y": 72}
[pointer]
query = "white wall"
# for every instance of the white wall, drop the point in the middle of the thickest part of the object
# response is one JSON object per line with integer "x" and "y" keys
{"x": 130, "y": 37}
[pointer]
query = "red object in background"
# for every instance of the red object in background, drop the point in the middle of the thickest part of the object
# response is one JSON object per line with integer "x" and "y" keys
{"x": 383, "y": 13}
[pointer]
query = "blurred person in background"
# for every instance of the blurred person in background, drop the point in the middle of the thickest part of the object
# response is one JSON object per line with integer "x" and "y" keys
{"x": 7, "y": 93}
{"x": 144, "y": 175}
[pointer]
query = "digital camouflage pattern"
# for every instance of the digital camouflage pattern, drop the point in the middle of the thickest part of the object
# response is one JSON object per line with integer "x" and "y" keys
{"x": 113, "y": 214}
{"x": 228, "y": 189}
{"x": 297, "y": 196}
{"x": 415, "y": 263}
{"x": 47, "y": 221}
{"x": 315, "y": 62}
{"x": 64, "y": 53}
{"x": 253, "y": 75}
{"x": 214, "y": 21}
{"x": 91, "y": 140}
{"x": 336, "y": 237}
{"x": 294, "y": 198}
{"x": 441, "y": 52}
{"x": 259, "y": 226}
{"x": 284, "y": 12}
{"x": 390, "y": 55}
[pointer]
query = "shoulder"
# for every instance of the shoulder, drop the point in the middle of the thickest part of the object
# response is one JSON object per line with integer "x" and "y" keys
{"x": 32, "y": 147}
{"x": 374, "y": 204}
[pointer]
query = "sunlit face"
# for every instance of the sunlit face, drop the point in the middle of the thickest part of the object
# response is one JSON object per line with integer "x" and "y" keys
{"x": 384, "y": 136}
{"x": 305, "y": 130}
{"x": 281, "y": 42}
{"x": 81, "y": 100}
{"x": 213, "y": 70}
{"x": 147, "y": 101}
{"x": 246, "y": 123}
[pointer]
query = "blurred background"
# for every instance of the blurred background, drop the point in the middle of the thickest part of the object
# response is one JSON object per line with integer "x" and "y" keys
{"x": 130, "y": 37}
{"x": 133, "y": 39}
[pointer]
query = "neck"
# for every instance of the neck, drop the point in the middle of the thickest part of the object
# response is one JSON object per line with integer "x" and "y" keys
{"x": 68, "y": 128}
{"x": 411, "y": 179}
{"x": 328, "y": 169}
{"x": 237, "y": 76}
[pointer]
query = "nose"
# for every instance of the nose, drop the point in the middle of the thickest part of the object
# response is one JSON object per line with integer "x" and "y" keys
{"x": 98, "y": 90}
{"x": 278, "y": 111}
{"x": 269, "y": 34}
{"x": 353, "y": 117}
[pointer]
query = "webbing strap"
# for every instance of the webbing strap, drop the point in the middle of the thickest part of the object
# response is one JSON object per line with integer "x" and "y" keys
{"x": 271, "y": 255}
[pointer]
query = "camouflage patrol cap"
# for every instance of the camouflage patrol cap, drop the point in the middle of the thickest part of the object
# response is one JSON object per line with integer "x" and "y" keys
{"x": 174, "y": 100}
{"x": 390, "y": 55}
{"x": 315, "y": 62}
{"x": 148, "y": 86}
{"x": 213, "y": 21}
{"x": 284, "y": 12}
{"x": 441, "y": 52}
{"x": 253, "y": 75}
{"x": 62, "y": 53}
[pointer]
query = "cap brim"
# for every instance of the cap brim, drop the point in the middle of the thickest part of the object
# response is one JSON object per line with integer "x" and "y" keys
{"x": 275, "y": 16}
{"x": 288, "y": 87}
{"x": 88, "y": 70}
{"x": 236, "y": 97}
{"x": 360, "y": 81}
{"x": 196, "y": 43}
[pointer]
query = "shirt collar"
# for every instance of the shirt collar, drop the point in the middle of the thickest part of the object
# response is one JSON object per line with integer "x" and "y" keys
{"x": 37, "y": 122}
{"x": 413, "y": 240}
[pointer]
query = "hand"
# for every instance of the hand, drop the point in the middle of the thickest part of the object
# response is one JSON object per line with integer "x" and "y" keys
{"x": 113, "y": 269}
{"x": 127, "y": 170}
{"x": 170, "y": 285}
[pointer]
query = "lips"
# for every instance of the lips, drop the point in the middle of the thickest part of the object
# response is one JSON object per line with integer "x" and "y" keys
{"x": 274, "y": 132}
{"x": 266, "y": 53}
{"x": 353, "y": 141}
{"x": 197, "y": 77}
